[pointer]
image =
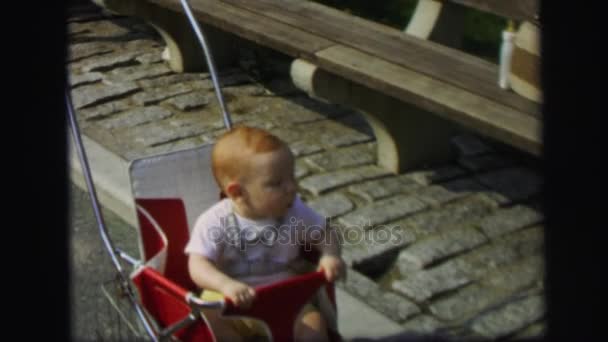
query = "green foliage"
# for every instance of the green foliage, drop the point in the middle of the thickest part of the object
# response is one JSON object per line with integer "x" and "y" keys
{"x": 395, "y": 13}
{"x": 482, "y": 31}
{"x": 482, "y": 34}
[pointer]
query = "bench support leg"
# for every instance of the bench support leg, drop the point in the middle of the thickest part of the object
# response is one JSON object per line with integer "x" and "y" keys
{"x": 185, "y": 52}
{"x": 407, "y": 137}
{"x": 438, "y": 21}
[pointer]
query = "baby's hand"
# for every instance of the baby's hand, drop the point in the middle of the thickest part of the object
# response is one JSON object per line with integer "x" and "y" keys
{"x": 333, "y": 266}
{"x": 241, "y": 294}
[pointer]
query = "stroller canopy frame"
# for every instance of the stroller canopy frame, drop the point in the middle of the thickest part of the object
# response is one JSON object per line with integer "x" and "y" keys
{"x": 170, "y": 190}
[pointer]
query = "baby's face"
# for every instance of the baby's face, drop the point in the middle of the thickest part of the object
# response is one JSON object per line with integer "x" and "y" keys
{"x": 270, "y": 186}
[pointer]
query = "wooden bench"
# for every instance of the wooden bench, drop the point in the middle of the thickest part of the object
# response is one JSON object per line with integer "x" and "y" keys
{"x": 415, "y": 93}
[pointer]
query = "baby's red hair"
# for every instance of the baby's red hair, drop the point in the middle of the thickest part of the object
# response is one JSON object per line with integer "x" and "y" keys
{"x": 233, "y": 149}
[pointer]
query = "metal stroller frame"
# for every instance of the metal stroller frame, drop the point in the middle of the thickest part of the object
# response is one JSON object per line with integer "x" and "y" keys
{"x": 155, "y": 291}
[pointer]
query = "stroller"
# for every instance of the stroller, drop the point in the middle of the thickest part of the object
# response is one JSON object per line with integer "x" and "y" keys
{"x": 169, "y": 191}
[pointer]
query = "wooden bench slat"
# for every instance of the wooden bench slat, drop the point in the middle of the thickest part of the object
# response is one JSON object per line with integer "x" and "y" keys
{"x": 489, "y": 118}
{"x": 252, "y": 26}
{"x": 468, "y": 72}
{"x": 436, "y": 78}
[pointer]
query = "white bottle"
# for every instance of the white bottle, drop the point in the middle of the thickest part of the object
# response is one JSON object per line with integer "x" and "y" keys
{"x": 506, "y": 51}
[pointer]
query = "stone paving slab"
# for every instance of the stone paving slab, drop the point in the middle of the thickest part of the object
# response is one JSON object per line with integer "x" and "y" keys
{"x": 84, "y": 79}
{"x": 188, "y": 101}
{"x": 81, "y": 51}
{"x": 137, "y": 116}
{"x": 443, "y": 245}
{"x": 385, "y": 187}
{"x": 534, "y": 331}
{"x": 149, "y": 58}
{"x": 504, "y": 251}
{"x": 508, "y": 220}
{"x": 423, "y": 324}
{"x": 373, "y": 249}
{"x": 435, "y": 175}
{"x": 383, "y": 212}
{"x": 385, "y": 302}
{"x": 134, "y": 73}
{"x": 438, "y": 195}
{"x": 301, "y": 169}
{"x": 435, "y": 221}
{"x": 164, "y": 81}
{"x": 155, "y": 95}
{"x": 103, "y": 110}
{"x": 109, "y": 62}
{"x": 494, "y": 290}
{"x": 428, "y": 283}
{"x": 96, "y": 93}
{"x": 318, "y": 184}
{"x": 342, "y": 158}
{"x": 510, "y": 318}
{"x": 332, "y": 205}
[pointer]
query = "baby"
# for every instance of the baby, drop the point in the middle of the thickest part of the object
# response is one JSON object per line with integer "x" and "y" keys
{"x": 252, "y": 236}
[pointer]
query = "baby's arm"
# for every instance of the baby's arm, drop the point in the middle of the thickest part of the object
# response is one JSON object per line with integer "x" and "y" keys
{"x": 205, "y": 275}
{"x": 328, "y": 245}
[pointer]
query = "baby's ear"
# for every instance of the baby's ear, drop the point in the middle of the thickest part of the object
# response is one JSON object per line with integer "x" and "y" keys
{"x": 233, "y": 189}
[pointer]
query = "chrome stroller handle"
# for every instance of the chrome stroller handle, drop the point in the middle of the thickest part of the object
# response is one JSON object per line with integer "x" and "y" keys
{"x": 196, "y": 305}
{"x": 112, "y": 251}
{"x": 210, "y": 63}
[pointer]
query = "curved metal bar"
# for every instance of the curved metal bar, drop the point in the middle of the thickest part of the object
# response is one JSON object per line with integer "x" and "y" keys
{"x": 126, "y": 257}
{"x": 98, "y": 215}
{"x": 89, "y": 182}
{"x": 198, "y": 303}
{"x": 210, "y": 63}
{"x": 166, "y": 333}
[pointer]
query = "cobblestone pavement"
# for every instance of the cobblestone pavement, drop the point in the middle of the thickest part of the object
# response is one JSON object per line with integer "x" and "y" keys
{"x": 92, "y": 316}
{"x": 454, "y": 249}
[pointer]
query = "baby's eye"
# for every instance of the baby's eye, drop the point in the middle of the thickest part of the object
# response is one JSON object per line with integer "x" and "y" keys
{"x": 274, "y": 183}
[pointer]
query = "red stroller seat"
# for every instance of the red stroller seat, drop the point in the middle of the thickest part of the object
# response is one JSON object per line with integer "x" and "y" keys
{"x": 165, "y": 188}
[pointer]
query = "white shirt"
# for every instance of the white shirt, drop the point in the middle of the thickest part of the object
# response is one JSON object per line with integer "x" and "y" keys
{"x": 254, "y": 261}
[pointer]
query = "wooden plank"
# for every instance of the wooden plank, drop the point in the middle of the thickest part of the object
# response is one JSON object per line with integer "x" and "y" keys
{"x": 477, "y": 72}
{"x": 469, "y": 109}
{"x": 435, "y": 60}
{"x": 252, "y": 26}
{"x": 296, "y": 13}
{"x": 501, "y": 122}
{"x": 514, "y": 9}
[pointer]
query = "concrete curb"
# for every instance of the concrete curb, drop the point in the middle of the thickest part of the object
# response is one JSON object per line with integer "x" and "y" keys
{"x": 110, "y": 175}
